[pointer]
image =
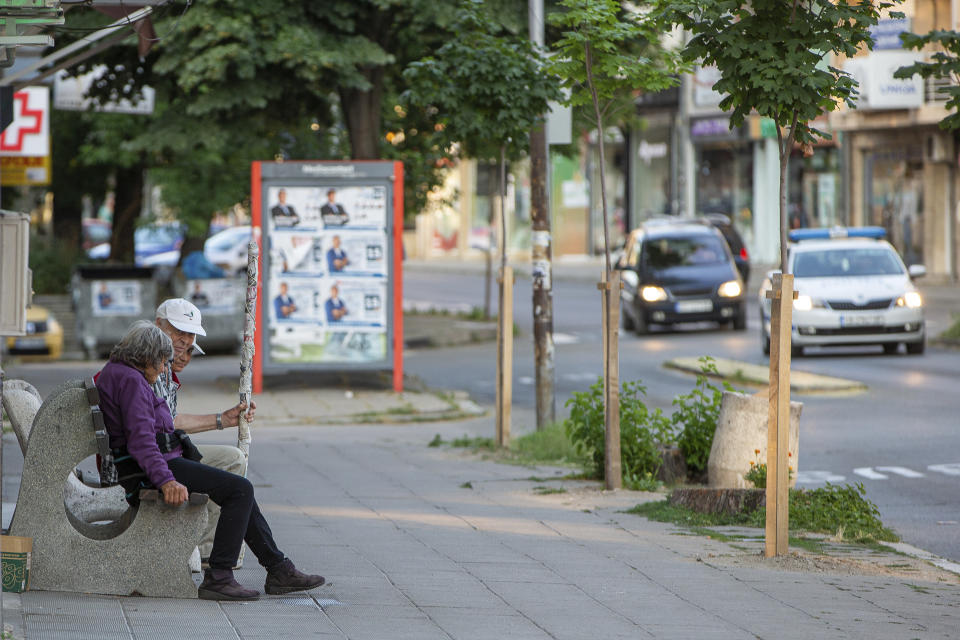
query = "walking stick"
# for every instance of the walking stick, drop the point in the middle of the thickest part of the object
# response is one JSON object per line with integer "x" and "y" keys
{"x": 247, "y": 351}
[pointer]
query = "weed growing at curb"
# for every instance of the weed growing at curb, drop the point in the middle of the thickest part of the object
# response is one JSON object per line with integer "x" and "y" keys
{"x": 543, "y": 491}
{"x": 467, "y": 485}
{"x": 549, "y": 446}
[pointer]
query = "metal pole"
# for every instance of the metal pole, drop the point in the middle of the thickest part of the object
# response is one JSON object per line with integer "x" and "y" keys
{"x": 541, "y": 254}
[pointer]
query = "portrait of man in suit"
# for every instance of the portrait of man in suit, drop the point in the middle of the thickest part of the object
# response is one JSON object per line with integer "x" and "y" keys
{"x": 335, "y": 306}
{"x": 283, "y": 214}
{"x": 333, "y": 214}
{"x": 336, "y": 257}
{"x": 283, "y": 304}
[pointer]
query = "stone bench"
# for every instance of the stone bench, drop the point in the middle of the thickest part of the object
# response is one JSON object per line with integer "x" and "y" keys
{"x": 85, "y": 537}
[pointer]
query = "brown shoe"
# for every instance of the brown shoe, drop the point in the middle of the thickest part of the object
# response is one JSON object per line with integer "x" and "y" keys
{"x": 218, "y": 584}
{"x": 285, "y": 578}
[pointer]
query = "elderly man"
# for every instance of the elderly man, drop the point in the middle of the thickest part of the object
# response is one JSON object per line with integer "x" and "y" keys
{"x": 180, "y": 320}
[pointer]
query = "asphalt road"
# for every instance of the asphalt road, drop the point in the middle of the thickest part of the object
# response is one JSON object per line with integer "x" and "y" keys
{"x": 900, "y": 438}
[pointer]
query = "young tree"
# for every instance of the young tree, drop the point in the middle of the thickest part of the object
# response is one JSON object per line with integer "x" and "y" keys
{"x": 774, "y": 58}
{"x": 607, "y": 51}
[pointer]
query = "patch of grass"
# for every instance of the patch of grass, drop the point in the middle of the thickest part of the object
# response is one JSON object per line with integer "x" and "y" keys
{"x": 550, "y": 445}
{"x": 916, "y": 588}
{"x": 663, "y": 511}
{"x": 645, "y": 483}
{"x": 843, "y": 511}
{"x": 403, "y": 410}
{"x": 467, "y": 485}
{"x": 544, "y": 491}
{"x": 436, "y": 442}
{"x": 466, "y": 442}
{"x": 953, "y": 332}
{"x": 807, "y": 544}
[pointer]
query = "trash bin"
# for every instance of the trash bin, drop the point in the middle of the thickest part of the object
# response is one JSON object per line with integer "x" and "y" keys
{"x": 222, "y": 302}
{"x": 107, "y": 300}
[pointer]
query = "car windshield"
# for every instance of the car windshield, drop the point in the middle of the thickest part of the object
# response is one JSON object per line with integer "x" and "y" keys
{"x": 832, "y": 263}
{"x": 682, "y": 251}
{"x": 228, "y": 240}
{"x": 157, "y": 235}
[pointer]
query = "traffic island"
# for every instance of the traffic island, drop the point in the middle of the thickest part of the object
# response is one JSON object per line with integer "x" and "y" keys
{"x": 737, "y": 372}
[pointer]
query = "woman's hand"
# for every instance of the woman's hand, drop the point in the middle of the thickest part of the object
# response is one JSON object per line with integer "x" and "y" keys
{"x": 174, "y": 493}
{"x": 231, "y": 417}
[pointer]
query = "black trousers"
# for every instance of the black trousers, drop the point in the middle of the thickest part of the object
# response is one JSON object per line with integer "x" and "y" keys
{"x": 240, "y": 517}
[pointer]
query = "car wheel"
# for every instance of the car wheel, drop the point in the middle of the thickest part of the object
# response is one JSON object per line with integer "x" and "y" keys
{"x": 764, "y": 337}
{"x": 890, "y": 348}
{"x": 740, "y": 320}
{"x": 916, "y": 348}
{"x": 796, "y": 350}
{"x": 625, "y": 320}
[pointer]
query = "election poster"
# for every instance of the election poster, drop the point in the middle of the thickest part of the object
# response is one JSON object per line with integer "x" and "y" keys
{"x": 115, "y": 297}
{"x": 216, "y": 296}
{"x": 330, "y": 265}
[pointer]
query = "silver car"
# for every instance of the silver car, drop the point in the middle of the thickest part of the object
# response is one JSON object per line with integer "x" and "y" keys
{"x": 853, "y": 289}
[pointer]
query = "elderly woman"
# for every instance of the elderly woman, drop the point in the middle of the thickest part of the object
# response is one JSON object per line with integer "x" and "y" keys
{"x": 148, "y": 452}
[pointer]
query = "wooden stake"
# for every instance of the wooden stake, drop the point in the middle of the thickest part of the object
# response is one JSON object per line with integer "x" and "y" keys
{"x": 613, "y": 470}
{"x": 505, "y": 356}
{"x": 778, "y": 416}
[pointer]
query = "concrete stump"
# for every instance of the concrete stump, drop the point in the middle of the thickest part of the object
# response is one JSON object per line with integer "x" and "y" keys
{"x": 741, "y": 430}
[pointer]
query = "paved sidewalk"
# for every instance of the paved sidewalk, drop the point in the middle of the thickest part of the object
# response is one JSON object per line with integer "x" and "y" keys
{"x": 422, "y": 543}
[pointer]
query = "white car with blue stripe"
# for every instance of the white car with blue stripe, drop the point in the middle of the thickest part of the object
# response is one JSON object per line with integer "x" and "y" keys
{"x": 853, "y": 289}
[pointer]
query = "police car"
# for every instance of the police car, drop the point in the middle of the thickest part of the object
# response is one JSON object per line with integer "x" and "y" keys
{"x": 853, "y": 289}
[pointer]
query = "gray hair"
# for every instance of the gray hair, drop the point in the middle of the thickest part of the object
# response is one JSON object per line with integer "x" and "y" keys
{"x": 145, "y": 344}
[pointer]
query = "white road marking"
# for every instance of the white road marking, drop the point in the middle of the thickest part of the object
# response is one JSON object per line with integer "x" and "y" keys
{"x": 901, "y": 471}
{"x": 869, "y": 473}
{"x": 950, "y": 469}
{"x": 818, "y": 477}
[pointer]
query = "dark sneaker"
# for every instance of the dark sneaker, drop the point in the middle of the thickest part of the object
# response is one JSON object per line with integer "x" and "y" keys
{"x": 218, "y": 584}
{"x": 285, "y": 578}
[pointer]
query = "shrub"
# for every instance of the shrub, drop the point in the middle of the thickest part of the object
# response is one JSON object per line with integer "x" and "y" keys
{"x": 641, "y": 430}
{"x": 696, "y": 416}
{"x": 51, "y": 264}
{"x": 838, "y": 510}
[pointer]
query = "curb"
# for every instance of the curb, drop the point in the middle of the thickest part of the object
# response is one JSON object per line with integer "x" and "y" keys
{"x": 737, "y": 372}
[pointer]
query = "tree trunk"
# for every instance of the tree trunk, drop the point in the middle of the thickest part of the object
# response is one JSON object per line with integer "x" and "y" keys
{"x": 541, "y": 261}
{"x": 127, "y": 207}
{"x": 361, "y": 110}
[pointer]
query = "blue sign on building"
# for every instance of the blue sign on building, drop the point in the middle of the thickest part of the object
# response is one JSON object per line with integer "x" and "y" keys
{"x": 886, "y": 33}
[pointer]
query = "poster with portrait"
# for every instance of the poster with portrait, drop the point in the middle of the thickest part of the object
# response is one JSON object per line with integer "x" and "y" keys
{"x": 216, "y": 296}
{"x": 115, "y": 297}
{"x": 307, "y": 209}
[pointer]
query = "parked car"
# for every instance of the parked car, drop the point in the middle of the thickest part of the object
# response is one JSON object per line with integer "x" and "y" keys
{"x": 732, "y": 236}
{"x": 154, "y": 245}
{"x": 44, "y": 335}
{"x": 677, "y": 271}
{"x": 853, "y": 289}
{"x": 228, "y": 249}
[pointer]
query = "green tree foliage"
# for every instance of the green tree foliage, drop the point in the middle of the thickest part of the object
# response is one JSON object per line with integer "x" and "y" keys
{"x": 487, "y": 87}
{"x": 944, "y": 63}
{"x": 774, "y": 59}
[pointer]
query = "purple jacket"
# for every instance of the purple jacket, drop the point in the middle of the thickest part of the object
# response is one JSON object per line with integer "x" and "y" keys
{"x": 134, "y": 416}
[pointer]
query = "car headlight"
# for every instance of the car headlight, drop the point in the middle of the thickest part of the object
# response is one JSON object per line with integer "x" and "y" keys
{"x": 803, "y": 303}
{"x": 911, "y": 299}
{"x": 651, "y": 293}
{"x": 730, "y": 289}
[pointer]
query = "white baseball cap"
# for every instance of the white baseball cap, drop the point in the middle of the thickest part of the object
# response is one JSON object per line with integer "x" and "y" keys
{"x": 183, "y": 315}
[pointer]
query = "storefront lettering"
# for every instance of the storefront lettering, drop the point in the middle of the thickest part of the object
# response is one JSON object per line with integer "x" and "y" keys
{"x": 648, "y": 152}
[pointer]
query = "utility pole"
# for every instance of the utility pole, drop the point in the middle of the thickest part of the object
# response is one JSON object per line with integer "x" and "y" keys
{"x": 541, "y": 253}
